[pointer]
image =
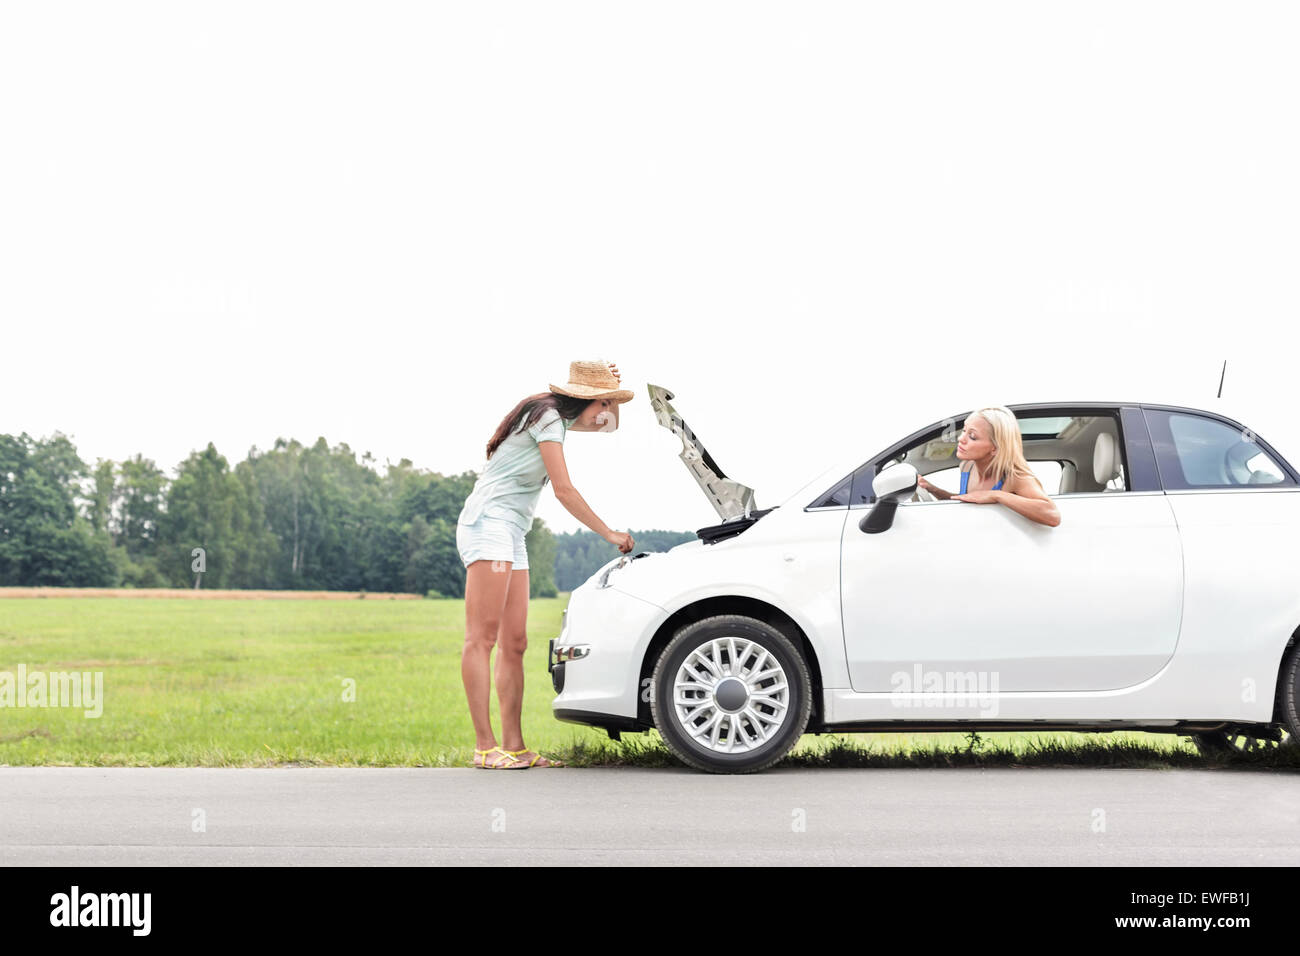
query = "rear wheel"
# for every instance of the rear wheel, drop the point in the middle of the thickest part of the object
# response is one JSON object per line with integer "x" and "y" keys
{"x": 1220, "y": 742}
{"x": 732, "y": 694}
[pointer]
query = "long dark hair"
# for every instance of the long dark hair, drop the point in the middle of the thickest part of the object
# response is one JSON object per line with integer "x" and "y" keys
{"x": 531, "y": 409}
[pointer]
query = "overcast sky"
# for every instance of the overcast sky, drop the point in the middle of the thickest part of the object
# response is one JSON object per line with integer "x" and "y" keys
{"x": 821, "y": 225}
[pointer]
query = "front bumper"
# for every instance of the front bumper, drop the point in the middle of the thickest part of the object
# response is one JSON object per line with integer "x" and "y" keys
{"x": 595, "y": 662}
{"x": 612, "y": 724}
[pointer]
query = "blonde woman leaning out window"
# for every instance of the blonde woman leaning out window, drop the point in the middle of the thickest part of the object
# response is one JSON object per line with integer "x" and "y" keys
{"x": 994, "y": 469}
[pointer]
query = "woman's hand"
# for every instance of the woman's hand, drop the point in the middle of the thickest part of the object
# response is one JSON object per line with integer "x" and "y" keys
{"x": 985, "y": 497}
{"x": 620, "y": 540}
{"x": 614, "y": 368}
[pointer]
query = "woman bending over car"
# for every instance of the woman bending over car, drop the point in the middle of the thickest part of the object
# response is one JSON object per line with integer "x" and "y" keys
{"x": 525, "y": 454}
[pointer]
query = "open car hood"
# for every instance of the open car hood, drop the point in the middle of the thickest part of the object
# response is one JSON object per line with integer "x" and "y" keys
{"x": 730, "y": 499}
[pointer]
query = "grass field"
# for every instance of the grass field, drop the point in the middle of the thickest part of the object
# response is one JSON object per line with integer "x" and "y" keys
{"x": 256, "y": 682}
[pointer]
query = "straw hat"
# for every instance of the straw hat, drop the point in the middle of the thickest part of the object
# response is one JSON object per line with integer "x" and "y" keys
{"x": 593, "y": 380}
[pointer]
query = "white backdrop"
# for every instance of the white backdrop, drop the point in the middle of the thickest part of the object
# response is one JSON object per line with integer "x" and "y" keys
{"x": 821, "y": 226}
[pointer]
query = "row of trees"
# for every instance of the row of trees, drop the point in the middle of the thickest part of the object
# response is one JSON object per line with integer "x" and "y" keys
{"x": 293, "y": 517}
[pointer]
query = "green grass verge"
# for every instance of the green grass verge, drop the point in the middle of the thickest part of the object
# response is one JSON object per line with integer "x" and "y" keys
{"x": 883, "y": 751}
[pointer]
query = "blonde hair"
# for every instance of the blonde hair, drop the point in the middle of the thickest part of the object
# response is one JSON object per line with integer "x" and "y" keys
{"x": 1008, "y": 448}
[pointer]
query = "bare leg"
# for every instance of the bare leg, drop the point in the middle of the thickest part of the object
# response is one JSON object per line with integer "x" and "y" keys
{"x": 512, "y": 640}
{"x": 485, "y": 596}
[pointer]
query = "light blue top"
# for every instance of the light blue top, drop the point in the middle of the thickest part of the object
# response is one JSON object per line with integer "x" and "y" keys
{"x": 966, "y": 474}
{"x": 511, "y": 482}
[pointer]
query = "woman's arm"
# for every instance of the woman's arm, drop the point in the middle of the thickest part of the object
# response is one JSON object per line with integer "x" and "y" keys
{"x": 1025, "y": 496}
{"x": 1043, "y": 510}
{"x": 553, "y": 458}
{"x": 933, "y": 489}
{"x": 1028, "y": 499}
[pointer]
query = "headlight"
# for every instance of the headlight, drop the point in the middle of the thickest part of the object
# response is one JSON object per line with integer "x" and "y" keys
{"x": 571, "y": 652}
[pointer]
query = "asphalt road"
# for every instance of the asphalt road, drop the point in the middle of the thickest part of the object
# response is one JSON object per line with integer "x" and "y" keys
{"x": 151, "y": 816}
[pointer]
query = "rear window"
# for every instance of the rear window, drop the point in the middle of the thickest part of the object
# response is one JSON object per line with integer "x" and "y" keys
{"x": 1194, "y": 451}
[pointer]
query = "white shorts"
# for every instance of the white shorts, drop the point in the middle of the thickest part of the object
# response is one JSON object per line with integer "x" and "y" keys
{"x": 492, "y": 539}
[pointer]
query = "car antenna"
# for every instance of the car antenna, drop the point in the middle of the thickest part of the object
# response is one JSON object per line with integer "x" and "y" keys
{"x": 1221, "y": 375}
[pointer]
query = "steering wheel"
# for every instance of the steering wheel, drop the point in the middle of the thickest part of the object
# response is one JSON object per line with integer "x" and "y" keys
{"x": 922, "y": 495}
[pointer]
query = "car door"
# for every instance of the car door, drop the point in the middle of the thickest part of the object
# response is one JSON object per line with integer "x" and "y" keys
{"x": 1237, "y": 503}
{"x": 959, "y": 588}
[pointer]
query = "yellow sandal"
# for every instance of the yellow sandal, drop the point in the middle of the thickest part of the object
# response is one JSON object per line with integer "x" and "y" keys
{"x": 518, "y": 755}
{"x": 483, "y": 759}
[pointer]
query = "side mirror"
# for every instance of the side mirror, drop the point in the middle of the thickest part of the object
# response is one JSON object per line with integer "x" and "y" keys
{"x": 890, "y": 487}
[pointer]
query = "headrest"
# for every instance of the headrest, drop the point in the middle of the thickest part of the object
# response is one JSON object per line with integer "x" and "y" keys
{"x": 1105, "y": 464}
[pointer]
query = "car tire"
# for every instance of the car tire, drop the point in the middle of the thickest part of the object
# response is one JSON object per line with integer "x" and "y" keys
{"x": 731, "y": 694}
{"x": 1285, "y": 734}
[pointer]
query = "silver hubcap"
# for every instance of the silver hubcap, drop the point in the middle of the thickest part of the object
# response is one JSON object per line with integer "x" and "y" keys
{"x": 731, "y": 695}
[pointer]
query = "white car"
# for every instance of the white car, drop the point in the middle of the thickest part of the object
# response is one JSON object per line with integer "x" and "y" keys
{"x": 1167, "y": 600}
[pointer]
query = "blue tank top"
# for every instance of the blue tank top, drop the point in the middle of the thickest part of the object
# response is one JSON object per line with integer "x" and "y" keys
{"x": 966, "y": 474}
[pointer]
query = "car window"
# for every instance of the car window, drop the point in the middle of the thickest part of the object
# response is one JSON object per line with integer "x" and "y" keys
{"x": 837, "y": 497}
{"x": 1196, "y": 451}
{"x": 1049, "y": 475}
{"x": 861, "y": 493}
{"x": 1061, "y": 445}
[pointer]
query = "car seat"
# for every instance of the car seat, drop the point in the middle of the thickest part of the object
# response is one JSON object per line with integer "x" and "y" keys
{"x": 1105, "y": 461}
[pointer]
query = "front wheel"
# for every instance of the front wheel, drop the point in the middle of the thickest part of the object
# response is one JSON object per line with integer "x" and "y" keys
{"x": 731, "y": 694}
